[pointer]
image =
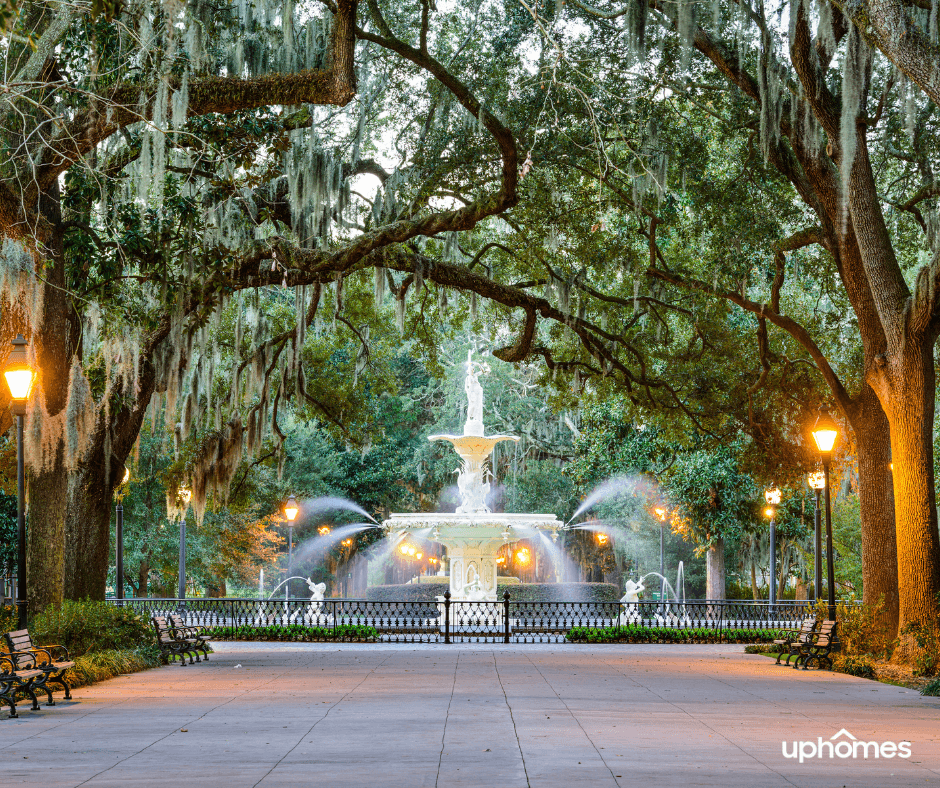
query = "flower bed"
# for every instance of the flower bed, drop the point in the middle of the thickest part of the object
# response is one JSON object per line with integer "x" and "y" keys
{"x": 296, "y": 633}
{"x": 639, "y": 634}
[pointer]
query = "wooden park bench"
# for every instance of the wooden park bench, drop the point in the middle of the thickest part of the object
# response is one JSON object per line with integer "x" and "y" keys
{"x": 172, "y": 644}
{"x": 53, "y": 660}
{"x": 16, "y": 680}
{"x": 819, "y": 649}
{"x": 184, "y": 631}
{"x": 793, "y": 640}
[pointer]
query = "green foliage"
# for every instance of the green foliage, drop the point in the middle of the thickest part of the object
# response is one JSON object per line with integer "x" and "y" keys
{"x": 863, "y": 632}
{"x": 931, "y": 688}
{"x": 854, "y": 666}
{"x": 925, "y": 652}
{"x": 641, "y": 634}
{"x": 297, "y": 632}
{"x": 8, "y": 619}
{"x": 847, "y": 542}
{"x": 107, "y": 663}
{"x": 7, "y": 530}
{"x": 90, "y": 626}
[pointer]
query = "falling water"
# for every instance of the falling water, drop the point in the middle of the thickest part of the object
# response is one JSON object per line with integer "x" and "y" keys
{"x": 320, "y": 544}
{"x": 615, "y": 487}
{"x": 330, "y": 503}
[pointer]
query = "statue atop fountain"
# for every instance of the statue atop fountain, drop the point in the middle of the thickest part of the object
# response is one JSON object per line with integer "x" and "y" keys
{"x": 473, "y": 534}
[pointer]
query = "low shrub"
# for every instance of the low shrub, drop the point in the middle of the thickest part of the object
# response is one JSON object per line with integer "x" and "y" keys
{"x": 640, "y": 634}
{"x": 86, "y": 627}
{"x": 863, "y": 631}
{"x": 8, "y": 619}
{"x": 925, "y": 647}
{"x": 761, "y": 648}
{"x": 854, "y": 666}
{"x": 296, "y": 632}
{"x": 931, "y": 688}
{"x": 100, "y": 665}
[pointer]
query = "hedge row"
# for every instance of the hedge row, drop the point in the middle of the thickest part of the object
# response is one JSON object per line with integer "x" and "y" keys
{"x": 296, "y": 633}
{"x": 518, "y": 592}
{"x": 638, "y": 634}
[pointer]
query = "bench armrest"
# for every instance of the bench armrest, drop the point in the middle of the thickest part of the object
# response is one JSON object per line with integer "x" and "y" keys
{"x": 57, "y": 652}
{"x": 15, "y": 656}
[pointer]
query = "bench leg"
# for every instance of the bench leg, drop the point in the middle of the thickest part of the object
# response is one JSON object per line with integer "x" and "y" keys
{"x": 8, "y": 699}
{"x": 60, "y": 680}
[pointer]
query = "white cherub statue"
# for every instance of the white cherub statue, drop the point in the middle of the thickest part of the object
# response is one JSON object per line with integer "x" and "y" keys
{"x": 631, "y": 598}
{"x": 633, "y": 591}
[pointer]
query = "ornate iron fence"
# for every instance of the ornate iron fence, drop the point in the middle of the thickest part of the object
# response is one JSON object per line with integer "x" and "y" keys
{"x": 503, "y": 621}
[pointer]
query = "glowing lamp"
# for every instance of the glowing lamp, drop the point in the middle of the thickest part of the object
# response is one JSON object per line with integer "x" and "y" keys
{"x": 825, "y": 432}
{"x": 19, "y": 374}
{"x": 419, "y": 555}
{"x": 323, "y": 530}
{"x": 602, "y": 539}
{"x": 186, "y": 495}
{"x": 127, "y": 476}
{"x": 347, "y": 542}
{"x": 522, "y": 556}
{"x": 660, "y": 513}
{"x": 769, "y": 511}
{"x": 411, "y": 550}
{"x": 816, "y": 480}
{"x": 772, "y": 496}
{"x": 403, "y": 549}
{"x": 291, "y": 509}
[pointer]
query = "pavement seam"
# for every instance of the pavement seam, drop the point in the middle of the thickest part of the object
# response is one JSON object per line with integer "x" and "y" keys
{"x": 511, "y": 719}
{"x": 705, "y": 724}
{"x": 440, "y": 758}
{"x": 164, "y": 738}
{"x": 575, "y": 718}
{"x": 329, "y": 709}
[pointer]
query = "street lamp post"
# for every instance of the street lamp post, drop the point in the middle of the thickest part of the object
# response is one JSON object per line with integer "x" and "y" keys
{"x": 290, "y": 512}
{"x": 186, "y": 494}
{"x": 772, "y": 496}
{"x": 661, "y": 514}
{"x": 119, "y": 538}
{"x": 825, "y": 432}
{"x": 817, "y": 481}
{"x": 20, "y": 377}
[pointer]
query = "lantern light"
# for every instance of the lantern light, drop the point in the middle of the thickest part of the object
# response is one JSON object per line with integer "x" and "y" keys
{"x": 291, "y": 509}
{"x": 186, "y": 494}
{"x": 816, "y": 480}
{"x": 825, "y": 432}
{"x": 19, "y": 374}
{"x": 772, "y": 496}
{"x": 660, "y": 513}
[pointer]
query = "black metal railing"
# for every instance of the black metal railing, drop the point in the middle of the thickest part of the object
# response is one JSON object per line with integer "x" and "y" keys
{"x": 490, "y": 621}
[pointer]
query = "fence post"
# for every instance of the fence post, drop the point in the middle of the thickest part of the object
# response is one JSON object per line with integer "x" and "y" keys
{"x": 447, "y": 616}
{"x": 506, "y": 616}
{"x": 721, "y": 611}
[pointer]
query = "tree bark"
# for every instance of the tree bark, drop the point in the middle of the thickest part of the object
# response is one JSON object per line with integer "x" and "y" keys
{"x": 876, "y": 498}
{"x": 715, "y": 570}
{"x": 910, "y": 410}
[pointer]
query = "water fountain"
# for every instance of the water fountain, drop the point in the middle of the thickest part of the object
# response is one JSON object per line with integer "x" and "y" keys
{"x": 473, "y": 534}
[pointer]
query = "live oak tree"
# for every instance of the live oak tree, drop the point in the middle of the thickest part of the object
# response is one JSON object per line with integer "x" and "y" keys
{"x": 159, "y": 162}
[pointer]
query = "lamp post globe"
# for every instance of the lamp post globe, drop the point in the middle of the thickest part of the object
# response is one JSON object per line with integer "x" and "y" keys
{"x": 825, "y": 433}
{"x": 20, "y": 377}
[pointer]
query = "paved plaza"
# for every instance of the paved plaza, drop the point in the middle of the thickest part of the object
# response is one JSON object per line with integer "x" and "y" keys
{"x": 265, "y": 714}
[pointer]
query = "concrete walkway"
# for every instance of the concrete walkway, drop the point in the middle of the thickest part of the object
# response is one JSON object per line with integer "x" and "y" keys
{"x": 260, "y": 714}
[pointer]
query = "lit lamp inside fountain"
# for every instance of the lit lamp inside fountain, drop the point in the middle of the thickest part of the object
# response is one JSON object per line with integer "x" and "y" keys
{"x": 474, "y": 534}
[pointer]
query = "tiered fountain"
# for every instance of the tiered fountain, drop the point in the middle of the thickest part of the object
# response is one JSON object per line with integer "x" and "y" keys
{"x": 473, "y": 534}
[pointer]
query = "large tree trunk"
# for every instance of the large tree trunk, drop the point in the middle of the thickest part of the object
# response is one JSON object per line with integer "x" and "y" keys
{"x": 876, "y": 498}
{"x": 88, "y": 543}
{"x": 910, "y": 410}
{"x": 715, "y": 570}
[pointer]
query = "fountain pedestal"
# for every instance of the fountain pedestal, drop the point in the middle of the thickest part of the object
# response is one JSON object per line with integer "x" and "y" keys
{"x": 473, "y": 534}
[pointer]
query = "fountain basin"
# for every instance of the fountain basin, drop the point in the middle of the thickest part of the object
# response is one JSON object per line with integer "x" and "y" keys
{"x": 472, "y": 540}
